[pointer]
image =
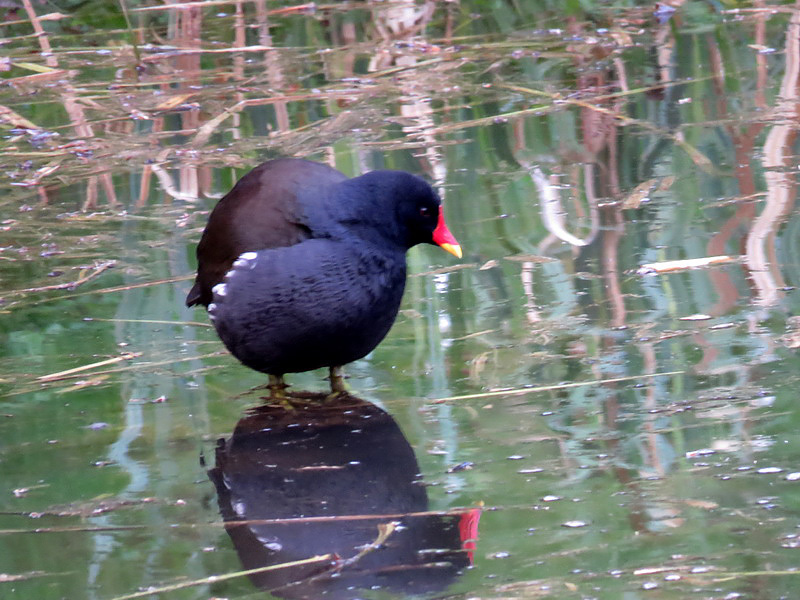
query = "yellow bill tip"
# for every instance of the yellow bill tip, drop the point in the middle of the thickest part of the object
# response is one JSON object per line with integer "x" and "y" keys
{"x": 453, "y": 249}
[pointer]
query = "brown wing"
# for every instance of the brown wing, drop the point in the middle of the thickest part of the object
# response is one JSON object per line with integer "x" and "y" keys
{"x": 261, "y": 211}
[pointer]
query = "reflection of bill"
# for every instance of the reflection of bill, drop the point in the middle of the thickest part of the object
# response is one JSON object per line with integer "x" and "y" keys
{"x": 334, "y": 479}
{"x": 468, "y": 531}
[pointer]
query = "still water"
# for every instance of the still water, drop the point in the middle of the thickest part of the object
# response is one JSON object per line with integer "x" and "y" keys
{"x": 597, "y": 401}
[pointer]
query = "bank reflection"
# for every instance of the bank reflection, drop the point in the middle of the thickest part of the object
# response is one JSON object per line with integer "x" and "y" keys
{"x": 333, "y": 478}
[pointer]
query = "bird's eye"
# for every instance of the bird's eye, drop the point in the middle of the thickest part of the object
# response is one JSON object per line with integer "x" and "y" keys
{"x": 425, "y": 212}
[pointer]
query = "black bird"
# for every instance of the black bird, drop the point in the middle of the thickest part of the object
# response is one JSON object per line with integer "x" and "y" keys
{"x": 301, "y": 267}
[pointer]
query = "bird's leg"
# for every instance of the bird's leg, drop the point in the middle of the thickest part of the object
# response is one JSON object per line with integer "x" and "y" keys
{"x": 338, "y": 385}
{"x": 276, "y": 386}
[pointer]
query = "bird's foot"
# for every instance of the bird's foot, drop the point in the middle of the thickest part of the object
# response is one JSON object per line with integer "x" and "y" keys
{"x": 277, "y": 387}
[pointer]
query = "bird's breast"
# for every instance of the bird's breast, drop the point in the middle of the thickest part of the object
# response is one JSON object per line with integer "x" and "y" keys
{"x": 315, "y": 304}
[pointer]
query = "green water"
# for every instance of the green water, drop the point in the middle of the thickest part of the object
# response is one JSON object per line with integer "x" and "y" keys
{"x": 628, "y": 433}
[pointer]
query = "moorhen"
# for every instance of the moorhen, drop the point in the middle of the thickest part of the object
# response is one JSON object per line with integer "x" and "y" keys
{"x": 301, "y": 267}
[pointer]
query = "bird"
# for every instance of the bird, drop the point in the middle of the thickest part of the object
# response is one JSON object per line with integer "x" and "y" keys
{"x": 301, "y": 267}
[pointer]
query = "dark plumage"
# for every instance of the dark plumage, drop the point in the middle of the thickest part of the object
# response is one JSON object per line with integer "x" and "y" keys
{"x": 301, "y": 267}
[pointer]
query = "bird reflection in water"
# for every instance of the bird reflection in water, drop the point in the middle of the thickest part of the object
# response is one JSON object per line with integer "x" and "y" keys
{"x": 334, "y": 478}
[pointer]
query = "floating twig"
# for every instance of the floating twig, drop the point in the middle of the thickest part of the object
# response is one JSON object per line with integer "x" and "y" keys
{"x": 669, "y": 266}
{"x": 6, "y": 577}
{"x": 78, "y": 529}
{"x": 308, "y": 7}
{"x": 102, "y": 363}
{"x": 54, "y": 16}
{"x": 384, "y": 531}
{"x": 14, "y": 119}
{"x": 70, "y": 285}
{"x": 151, "y": 322}
{"x": 220, "y": 524}
{"x": 225, "y": 577}
{"x": 118, "y": 288}
{"x": 547, "y": 388}
{"x": 442, "y": 270}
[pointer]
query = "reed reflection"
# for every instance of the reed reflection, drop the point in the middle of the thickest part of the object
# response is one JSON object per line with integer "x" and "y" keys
{"x": 334, "y": 479}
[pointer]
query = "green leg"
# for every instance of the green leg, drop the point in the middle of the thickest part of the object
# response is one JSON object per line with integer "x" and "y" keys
{"x": 338, "y": 385}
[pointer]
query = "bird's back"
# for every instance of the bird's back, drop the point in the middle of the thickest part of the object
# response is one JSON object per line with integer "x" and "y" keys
{"x": 265, "y": 209}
